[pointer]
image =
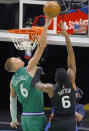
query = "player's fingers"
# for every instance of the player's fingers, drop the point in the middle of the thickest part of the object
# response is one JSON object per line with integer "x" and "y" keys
{"x": 51, "y": 20}
{"x": 11, "y": 125}
{"x": 61, "y": 25}
{"x": 48, "y": 20}
{"x": 15, "y": 126}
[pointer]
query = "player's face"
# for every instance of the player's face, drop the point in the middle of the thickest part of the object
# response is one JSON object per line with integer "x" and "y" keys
{"x": 17, "y": 62}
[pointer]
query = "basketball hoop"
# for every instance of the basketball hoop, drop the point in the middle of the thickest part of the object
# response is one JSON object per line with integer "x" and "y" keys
{"x": 26, "y": 39}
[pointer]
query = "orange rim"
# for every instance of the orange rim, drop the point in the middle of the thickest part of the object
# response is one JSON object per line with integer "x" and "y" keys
{"x": 35, "y": 29}
{"x": 33, "y": 33}
{"x": 22, "y": 31}
{"x": 38, "y": 29}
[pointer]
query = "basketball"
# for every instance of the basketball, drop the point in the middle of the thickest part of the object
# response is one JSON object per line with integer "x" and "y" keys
{"x": 51, "y": 9}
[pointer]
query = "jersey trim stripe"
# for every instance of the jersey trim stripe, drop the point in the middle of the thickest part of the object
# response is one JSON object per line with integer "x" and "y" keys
{"x": 32, "y": 114}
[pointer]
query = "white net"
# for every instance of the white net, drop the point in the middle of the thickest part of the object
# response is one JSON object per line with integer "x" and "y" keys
{"x": 26, "y": 41}
{"x": 25, "y": 44}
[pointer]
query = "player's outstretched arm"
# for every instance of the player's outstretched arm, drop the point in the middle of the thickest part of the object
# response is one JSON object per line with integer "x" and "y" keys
{"x": 41, "y": 45}
{"x": 13, "y": 107}
{"x": 71, "y": 57}
{"x": 47, "y": 88}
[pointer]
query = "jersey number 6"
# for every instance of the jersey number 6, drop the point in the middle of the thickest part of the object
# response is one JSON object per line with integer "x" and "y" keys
{"x": 65, "y": 102}
{"x": 24, "y": 91}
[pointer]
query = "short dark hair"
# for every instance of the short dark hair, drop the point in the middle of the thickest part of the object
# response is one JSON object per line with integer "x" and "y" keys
{"x": 61, "y": 75}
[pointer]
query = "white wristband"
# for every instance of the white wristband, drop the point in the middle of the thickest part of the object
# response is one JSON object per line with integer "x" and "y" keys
{"x": 13, "y": 108}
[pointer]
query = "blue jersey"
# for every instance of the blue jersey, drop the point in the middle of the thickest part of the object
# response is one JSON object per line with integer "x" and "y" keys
{"x": 80, "y": 109}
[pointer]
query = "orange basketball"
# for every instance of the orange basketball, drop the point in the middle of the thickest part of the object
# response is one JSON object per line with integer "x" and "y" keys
{"x": 51, "y": 9}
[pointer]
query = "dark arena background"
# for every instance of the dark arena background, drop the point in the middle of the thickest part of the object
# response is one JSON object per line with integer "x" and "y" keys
{"x": 54, "y": 56}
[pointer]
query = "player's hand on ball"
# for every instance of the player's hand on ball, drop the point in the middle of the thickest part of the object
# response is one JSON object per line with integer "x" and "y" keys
{"x": 14, "y": 124}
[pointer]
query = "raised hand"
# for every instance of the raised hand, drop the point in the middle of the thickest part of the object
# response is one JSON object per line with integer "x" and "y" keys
{"x": 63, "y": 30}
{"x": 48, "y": 21}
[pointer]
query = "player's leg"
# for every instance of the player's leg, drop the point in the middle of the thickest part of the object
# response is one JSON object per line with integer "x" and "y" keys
{"x": 33, "y": 123}
{"x": 62, "y": 124}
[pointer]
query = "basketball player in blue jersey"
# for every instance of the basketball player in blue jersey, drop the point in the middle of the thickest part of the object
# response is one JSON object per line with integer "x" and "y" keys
{"x": 32, "y": 118}
{"x": 62, "y": 94}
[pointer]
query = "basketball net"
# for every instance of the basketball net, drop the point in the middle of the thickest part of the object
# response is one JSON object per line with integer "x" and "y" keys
{"x": 28, "y": 38}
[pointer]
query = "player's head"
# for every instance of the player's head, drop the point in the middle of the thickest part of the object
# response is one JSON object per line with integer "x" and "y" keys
{"x": 61, "y": 75}
{"x": 13, "y": 64}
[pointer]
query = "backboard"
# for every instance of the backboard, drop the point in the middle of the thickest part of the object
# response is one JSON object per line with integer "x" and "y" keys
{"x": 31, "y": 10}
